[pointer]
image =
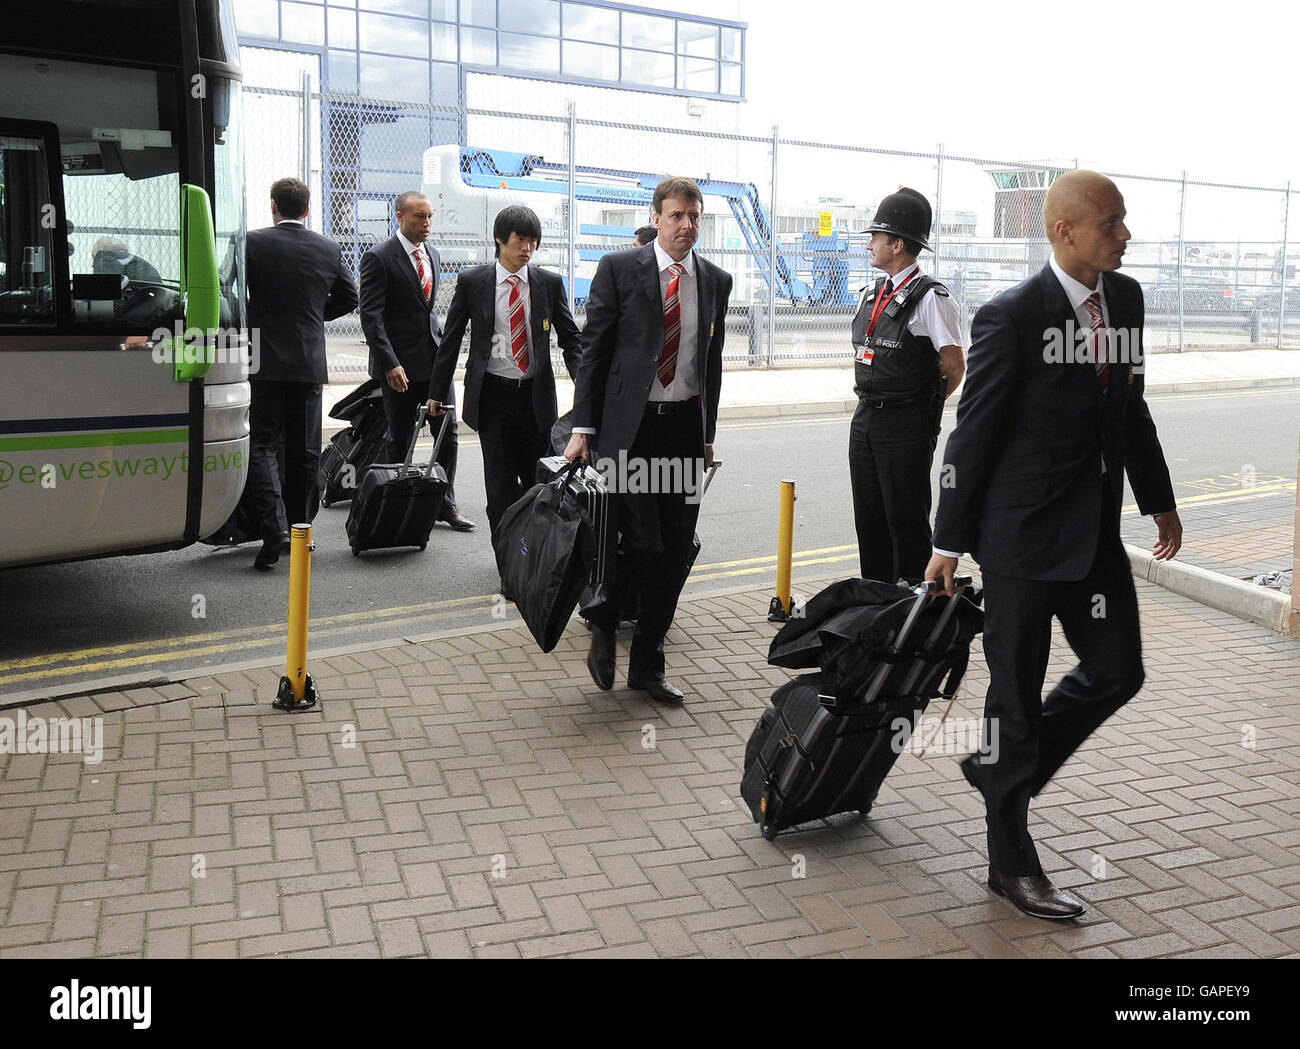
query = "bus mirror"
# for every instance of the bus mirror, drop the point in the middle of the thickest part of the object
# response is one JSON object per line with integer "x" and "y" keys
{"x": 193, "y": 357}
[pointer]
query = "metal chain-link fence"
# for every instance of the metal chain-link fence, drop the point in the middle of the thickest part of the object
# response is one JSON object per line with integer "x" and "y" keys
{"x": 1218, "y": 262}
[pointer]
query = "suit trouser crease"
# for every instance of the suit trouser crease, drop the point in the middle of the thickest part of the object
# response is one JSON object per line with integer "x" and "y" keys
{"x": 400, "y": 411}
{"x": 1099, "y": 617}
{"x": 287, "y": 412}
{"x": 891, "y": 451}
{"x": 511, "y": 445}
{"x": 658, "y": 532}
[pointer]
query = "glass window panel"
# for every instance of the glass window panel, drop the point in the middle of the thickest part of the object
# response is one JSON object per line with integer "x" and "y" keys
{"x": 342, "y": 28}
{"x": 343, "y": 71}
{"x": 531, "y": 16}
{"x": 478, "y": 12}
{"x": 396, "y": 145}
{"x": 401, "y": 79}
{"x": 302, "y": 24}
{"x": 731, "y": 45}
{"x": 529, "y": 52}
{"x": 697, "y": 74}
{"x": 257, "y": 18}
{"x": 446, "y": 84}
{"x": 648, "y": 67}
{"x": 590, "y": 60}
{"x": 399, "y": 36}
{"x": 730, "y": 79}
{"x": 399, "y": 7}
{"x": 648, "y": 31}
{"x": 444, "y": 42}
{"x": 696, "y": 38}
{"x": 345, "y": 3}
{"x": 584, "y": 22}
{"x": 444, "y": 10}
{"x": 478, "y": 46}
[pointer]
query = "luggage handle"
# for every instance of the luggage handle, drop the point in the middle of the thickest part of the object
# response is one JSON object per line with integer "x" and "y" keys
{"x": 420, "y": 418}
{"x": 923, "y": 591}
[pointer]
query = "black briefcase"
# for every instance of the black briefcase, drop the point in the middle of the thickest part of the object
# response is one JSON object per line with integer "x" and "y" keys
{"x": 397, "y": 504}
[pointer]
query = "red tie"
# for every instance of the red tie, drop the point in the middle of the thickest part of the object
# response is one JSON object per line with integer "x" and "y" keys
{"x": 426, "y": 282}
{"x": 1099, "y": 341}
{"x": 518, "y": 325}
{"x": 672, "y": 326}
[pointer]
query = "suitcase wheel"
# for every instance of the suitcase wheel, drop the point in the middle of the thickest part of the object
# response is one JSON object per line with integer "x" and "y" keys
{"x": 326, "y": 503}
{"x": 769, "y": 832}
{"x": 356, "y": 552}
{"x": 423, "y": 545}
{"x": 864, "y": 812}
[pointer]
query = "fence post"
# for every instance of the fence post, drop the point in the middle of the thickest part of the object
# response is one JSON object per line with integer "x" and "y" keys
{"x": 771, "y": 261}
{"x": 938, "y": 209}
{"x": 573, "y": 233}
{"x": 1281, "y": 291}
{"x": 305, "y": 161}
{"x": 1182, "y": 211}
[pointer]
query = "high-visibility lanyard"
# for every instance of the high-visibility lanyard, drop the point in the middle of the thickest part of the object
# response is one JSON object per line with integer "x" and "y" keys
{"x": 879, "y": 307}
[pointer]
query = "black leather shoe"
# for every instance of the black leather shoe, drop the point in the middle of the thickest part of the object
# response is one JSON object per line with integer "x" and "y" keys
{"x": 660, "y": 688}
{"x": 600, "y": 658}
{"x": 271, "y": 551}
{"x": 451, "y": 515}
{"x": 1036, "y": 896}
{"x": 970, "y": 768}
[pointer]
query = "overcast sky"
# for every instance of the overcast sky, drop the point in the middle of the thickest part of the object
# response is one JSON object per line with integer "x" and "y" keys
{"x": 1134, "y": 86}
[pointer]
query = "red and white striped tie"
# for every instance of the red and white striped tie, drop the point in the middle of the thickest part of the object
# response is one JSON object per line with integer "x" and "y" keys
{"x": 672, "y": 326}
{"x": 518, "y": 325}
{"x": 422, "y": 271}
{"x": 1100, "y": 343}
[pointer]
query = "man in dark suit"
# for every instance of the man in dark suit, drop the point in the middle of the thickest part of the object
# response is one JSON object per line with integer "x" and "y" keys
{"x": 399, "y": 286}
{"x": 1051, "y": 417}
{"x": 647, "y": 401}
{"x": 510, "y": 308}
{"x": 296, "y": 282}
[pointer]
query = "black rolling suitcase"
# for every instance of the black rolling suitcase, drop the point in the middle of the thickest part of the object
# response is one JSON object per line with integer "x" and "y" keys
{"x": 356, "y": 447}
{"x": 814, "y": 754}
{"x": 397, "y": 504}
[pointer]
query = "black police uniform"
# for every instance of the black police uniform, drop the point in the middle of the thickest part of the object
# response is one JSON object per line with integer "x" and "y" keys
{"x": 894, "y": 432}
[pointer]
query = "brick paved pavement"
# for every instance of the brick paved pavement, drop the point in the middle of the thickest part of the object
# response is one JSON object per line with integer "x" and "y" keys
{"x": 477, "y": 755}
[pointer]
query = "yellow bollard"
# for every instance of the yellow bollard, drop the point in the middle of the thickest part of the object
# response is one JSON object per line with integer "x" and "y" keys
{"x": 780, "y": 609}
{"x": 296, "y": 689}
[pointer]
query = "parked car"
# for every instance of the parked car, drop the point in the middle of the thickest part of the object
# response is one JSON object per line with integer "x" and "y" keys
{"x": 1203, "y": 295}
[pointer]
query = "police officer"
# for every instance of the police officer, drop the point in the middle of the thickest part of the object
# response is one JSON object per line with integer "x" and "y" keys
{"x": 907, "y": 359}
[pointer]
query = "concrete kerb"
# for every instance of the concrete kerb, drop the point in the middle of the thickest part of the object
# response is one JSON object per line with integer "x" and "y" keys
{"x": 126, "y": 682}
{"x": 1255, "y": 604}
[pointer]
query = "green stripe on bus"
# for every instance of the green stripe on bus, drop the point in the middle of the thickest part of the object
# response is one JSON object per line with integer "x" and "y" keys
{"x": 92, "y": 440}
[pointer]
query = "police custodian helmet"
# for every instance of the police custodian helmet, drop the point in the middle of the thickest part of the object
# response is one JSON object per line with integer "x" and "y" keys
{"x": 903, "y": 214}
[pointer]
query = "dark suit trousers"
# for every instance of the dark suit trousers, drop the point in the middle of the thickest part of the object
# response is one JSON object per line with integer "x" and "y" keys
{"x": 400, "y": 411}
{"x": 288, "y": 412}
{"x": 658, "y": 532}
{"x": 1035, "y": 736}
{"x": 890, "y": 453}
{"x": 511, "y": 444}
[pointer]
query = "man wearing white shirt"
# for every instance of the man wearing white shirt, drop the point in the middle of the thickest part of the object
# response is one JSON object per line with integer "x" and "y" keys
{"x": 510, "y": 308}
{"x": 906, "y": 340}
{"x": 399, "y": 286}
{"x": 1033, "y": 480}
{"x": 647, "y": 392}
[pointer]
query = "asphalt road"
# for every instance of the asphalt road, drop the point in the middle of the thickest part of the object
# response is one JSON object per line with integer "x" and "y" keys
{"x": 137, "y": 617}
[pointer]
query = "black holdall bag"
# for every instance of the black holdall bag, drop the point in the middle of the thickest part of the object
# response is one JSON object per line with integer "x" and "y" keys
{"x": 817, "y": 751}
{"x": 545, "y": 546}
{"x": 358, "y": 446}
{"x": 396, "y": 504}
